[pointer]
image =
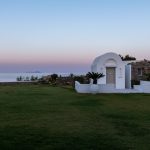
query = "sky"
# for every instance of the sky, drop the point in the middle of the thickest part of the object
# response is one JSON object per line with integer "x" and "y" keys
{"x": 67, "y": 35}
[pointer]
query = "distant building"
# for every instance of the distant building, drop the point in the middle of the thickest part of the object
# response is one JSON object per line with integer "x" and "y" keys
{"x": 139, "y": 69}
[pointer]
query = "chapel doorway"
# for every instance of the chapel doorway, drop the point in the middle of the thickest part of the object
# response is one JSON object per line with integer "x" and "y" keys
{"x": 110, "y": 75}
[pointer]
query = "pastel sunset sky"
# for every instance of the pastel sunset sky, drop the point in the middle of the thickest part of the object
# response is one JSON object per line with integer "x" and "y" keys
{"x": 66, "y": 35}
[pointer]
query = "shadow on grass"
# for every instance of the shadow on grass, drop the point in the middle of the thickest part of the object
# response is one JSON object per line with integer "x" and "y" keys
{"x": 127, "y": 125}
{"x": 27, "y": 138}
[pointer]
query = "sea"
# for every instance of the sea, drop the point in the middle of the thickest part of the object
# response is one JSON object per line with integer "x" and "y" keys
{"x": 12, "y": 77}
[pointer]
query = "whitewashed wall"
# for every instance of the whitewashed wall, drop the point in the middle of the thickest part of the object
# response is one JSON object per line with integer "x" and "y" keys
{"x": 105, "y": 88}
{"x": 144, "y": 87}
{"x": 128, "y": 76}
{"x": 82, "y": 88}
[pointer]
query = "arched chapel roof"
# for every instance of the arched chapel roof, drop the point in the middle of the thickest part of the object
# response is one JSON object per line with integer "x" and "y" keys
{"x": 105, "y": 57}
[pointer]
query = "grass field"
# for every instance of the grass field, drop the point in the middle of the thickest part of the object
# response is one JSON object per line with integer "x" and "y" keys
{"x": 38, "y": 117}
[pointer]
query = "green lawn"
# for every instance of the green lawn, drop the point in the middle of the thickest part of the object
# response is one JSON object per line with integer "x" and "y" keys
{"x": 39, "y": 117}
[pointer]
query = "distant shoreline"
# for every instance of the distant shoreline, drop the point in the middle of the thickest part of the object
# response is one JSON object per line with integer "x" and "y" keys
{"x": 12, "y": 77}
{"x": 18, "y": 82}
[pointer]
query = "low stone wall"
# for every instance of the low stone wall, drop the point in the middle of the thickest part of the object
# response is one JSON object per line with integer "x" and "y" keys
{"x": 94, "y": 88}
{"x": 145, "y": 83}
{"x": 104, "y": 88}
{"x": 82, "y": 88}
{"x": 144, "y": 87}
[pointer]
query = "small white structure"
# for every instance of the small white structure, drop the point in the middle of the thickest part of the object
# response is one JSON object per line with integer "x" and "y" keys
{"x": 117, "y": 77}
{"x": 111, "y": 65}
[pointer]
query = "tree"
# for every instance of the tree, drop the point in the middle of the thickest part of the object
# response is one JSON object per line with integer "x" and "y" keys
{"x": 20, "y": 78}
{"x": 95, "y": 76}
{"x": 127, "y": 57}
{"x": 54, "y": 77}
{"x": 71, "y": 75}
{"x": 33, "y": 78}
